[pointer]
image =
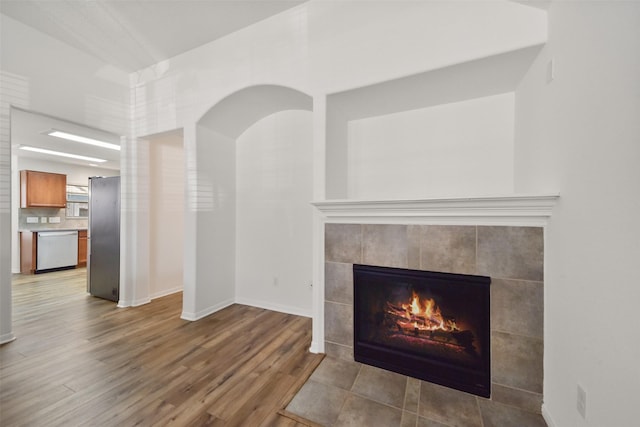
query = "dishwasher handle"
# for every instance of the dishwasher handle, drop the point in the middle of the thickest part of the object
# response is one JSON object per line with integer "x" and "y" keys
{"x": 56, "y": 233}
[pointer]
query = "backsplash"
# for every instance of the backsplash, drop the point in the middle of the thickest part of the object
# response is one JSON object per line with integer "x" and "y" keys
{"x": 65, "y": 223}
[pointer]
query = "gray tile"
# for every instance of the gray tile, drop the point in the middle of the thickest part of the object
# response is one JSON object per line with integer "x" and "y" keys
{"x": 517, "y": 307}
{"x": 336, "y": 372}
{"x": 343, "y": 243}
{"x": 409, "y": 419}
{"x": 344, "y": 352}
{"x": 498, "y": 415}
{"x": 425, "y": 422}
{"x": 412, "y": 395}
{"x": 318, "y": 402}
{"x": 449, "y": 248}
{"x": 338, "y": 323}
{"x": 385, "y": 245}
{"x": 358, "y": 412}
{"x": 448, "y": 406}
{"x": 381, "y": 385}
{"x": 516, "y": 361}
{"x": 338, "y": 282}
{"x": 528, "y": 401}
{"x": 511, "y": 252}
{"x": 414, "y": 239}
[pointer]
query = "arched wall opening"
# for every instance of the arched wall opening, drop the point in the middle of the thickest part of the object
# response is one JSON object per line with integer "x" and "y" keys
{"x": 244, "y": 160}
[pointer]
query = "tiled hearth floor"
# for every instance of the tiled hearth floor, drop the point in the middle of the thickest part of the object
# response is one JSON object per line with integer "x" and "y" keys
{"x": 343, "y": 393}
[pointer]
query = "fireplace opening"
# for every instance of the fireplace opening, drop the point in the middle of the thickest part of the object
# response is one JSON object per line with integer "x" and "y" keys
{"x": 428, "y": 325}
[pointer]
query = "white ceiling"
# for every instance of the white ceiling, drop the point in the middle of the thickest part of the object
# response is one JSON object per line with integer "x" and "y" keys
{"x": 130, "y": 35}
{"x": 134, "y": 34}
{"x": 28, "y": 128}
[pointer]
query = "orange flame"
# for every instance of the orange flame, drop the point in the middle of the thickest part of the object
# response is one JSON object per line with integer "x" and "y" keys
{"x": 426, "y": 315}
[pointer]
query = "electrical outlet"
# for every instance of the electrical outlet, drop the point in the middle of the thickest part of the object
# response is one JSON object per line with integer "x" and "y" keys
{"x": 32, "y": 220}
{"x": 581, "y": 402}
{"x": 43, "y": 220}
{"x": 54, "y": 220}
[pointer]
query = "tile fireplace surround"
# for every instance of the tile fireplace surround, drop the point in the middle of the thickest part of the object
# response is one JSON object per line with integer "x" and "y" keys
{"x": 512, "y": 255}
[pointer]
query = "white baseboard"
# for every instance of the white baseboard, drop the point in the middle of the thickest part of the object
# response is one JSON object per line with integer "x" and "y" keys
{"x": 207, "y": 311}
{"x": 166, "y": 292}
{"x": 315, "y": 348}
{"x": 7, "y": 338}
{"x": 296, "y": 311}
{"x": 141, "y": 301}
{"x": 547, "y": 417}
{"x": 245, "y": 301}
{"x": 134, "y": 303}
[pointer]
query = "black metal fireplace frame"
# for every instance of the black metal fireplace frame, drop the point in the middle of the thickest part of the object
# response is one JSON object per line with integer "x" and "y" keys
{"x": 475, "y": 381}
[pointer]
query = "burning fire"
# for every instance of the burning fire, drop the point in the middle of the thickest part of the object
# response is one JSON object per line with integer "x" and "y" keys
{"x": 424, "y": 315}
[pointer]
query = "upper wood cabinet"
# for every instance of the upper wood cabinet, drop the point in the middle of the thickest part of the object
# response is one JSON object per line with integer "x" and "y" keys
{"x": 42, "y": 189}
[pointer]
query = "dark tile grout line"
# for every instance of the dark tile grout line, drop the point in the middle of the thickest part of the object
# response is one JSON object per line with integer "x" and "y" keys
{"x": 479, "y": 412}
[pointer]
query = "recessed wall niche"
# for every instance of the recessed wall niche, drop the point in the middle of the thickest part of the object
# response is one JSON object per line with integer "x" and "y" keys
{"x": 442, "y": 133}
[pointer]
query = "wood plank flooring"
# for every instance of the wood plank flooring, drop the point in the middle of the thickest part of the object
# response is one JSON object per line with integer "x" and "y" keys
{"x": 79, "y": 360}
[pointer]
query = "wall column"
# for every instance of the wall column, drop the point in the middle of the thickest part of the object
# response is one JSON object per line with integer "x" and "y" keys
{"x": 14, "y": 91}
{"x": 190, "y": 223}
{"x": 319, "y": 193}
{"x": 134, "y": 223}
{"x": 6, "y": 330}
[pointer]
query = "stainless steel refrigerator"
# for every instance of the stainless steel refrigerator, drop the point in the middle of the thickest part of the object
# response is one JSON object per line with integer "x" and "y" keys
{"x": 103, "y": 249}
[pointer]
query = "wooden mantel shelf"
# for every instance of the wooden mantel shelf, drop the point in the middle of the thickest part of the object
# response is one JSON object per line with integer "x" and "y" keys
{"x": 516, "y": 209}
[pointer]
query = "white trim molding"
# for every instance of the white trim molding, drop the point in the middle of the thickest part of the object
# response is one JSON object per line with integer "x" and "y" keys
{"x": 6, "y": 338}
{"x": 273, "y": 307}
{"x": 206, "y": 311}
{"x": 490, "y": 210}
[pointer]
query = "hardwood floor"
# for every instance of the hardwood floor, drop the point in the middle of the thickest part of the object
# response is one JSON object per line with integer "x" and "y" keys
{"x": 79, "y": 360}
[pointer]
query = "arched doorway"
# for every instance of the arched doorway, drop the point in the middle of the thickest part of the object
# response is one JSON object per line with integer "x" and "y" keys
{"x": 213, "y": 251}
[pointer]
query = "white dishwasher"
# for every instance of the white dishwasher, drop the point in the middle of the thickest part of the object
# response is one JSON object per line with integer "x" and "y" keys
{"x": 57, "y": 249}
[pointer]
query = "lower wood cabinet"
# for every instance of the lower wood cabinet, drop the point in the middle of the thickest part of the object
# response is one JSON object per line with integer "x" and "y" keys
{"x": 82, "y": 248}
{"x": 28, "y": 252}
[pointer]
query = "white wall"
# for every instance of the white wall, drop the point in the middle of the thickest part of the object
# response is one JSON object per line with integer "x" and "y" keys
{"x": 211, "y": 249}
{"x": 274, "y": 183}
{"x": 580, "y": 134}
{"x": 458, "y": 149}
{"x": 324, "y": 47}
{"x": 166, "y": 213}
{"x": 317, "y": 48}
{"x": 358, "y": 43}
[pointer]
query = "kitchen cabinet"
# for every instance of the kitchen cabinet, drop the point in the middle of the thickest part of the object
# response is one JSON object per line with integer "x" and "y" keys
{"x": 82, "y": 248}
{"x": 31, "y": 254}
{"x": 42, "y": 189}
{"x": 28, "y": 252}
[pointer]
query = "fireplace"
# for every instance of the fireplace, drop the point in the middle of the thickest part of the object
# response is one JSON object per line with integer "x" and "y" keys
{"x": 429, "y": 325}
